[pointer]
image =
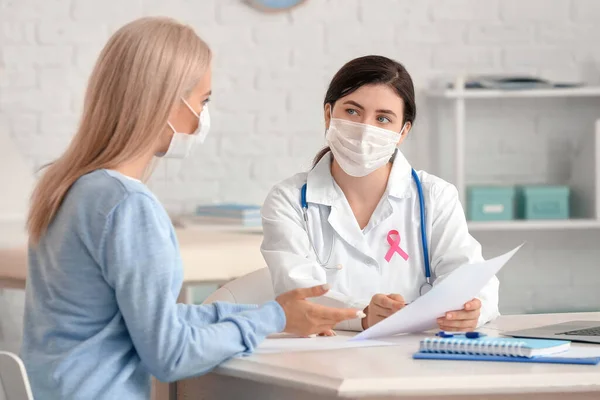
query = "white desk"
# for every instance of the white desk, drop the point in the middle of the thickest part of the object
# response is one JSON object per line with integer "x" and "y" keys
{"x": 391, "y": 373}
{"x": 217, "y": 256}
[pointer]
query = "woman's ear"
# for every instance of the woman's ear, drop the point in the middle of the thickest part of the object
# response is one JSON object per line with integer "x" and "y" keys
{"x": 404, "y": 133}
{"x": 327, "y": 111}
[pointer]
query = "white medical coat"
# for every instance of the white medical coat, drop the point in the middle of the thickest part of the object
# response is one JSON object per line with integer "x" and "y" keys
{"x": 361, "y": 253}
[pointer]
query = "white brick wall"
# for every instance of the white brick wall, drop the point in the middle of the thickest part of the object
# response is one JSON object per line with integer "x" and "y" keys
{"x": 586, "y": 11}
{"x": 465, "y": 10}
{"x": 535, "y": 10}
{"x": 501, "y": 34}
{"x": 271, "y": 72}
{"x": 33, "y": 10}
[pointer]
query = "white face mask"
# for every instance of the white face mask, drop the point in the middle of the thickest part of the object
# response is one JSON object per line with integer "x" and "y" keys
{"x": 182, "y": 143}
{"x": 360, "y": 148}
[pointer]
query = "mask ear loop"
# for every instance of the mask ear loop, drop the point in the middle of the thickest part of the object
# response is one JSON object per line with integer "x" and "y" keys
{"x": 190, "y": 107}
{"x": 401, "y": 130}
{"x": 403, "y": 127}
{"x": 199, "y": 116}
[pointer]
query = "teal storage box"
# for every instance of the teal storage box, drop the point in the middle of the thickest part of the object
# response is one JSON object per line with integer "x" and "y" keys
{"x": 491, "y": 203}
{"x": 544, "y": 202}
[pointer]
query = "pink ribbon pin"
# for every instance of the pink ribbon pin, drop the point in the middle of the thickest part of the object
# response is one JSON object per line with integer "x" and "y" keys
{"x": 394, "y": 246}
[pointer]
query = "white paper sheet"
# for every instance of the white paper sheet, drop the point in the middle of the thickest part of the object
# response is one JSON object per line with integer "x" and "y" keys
{"x": 577, "y": 351}
{"x": 462, "y": 285}
{"x": 286, "y": 344}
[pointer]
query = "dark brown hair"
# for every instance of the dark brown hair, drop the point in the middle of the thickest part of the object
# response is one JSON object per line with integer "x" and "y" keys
{"x": 371, "y": 70}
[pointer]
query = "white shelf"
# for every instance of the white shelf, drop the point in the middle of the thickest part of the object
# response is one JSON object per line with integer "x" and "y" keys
{"x": 558, "y": 225}
{"x": 586, "y": 91}
{"x": 584, "y": 182}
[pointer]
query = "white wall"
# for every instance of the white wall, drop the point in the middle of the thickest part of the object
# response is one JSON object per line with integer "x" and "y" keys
{"x": 271, "y": 71}
{"x": 270, "y": 76}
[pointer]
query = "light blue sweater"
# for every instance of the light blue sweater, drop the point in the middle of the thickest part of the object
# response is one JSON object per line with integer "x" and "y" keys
{"x": 100, "y": 309}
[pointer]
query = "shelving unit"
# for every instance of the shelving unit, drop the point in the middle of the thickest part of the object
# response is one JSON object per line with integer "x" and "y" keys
{"x": 534, "y": 225}
{"x": 585, "y": 182}
{"x": 508, "y": 94}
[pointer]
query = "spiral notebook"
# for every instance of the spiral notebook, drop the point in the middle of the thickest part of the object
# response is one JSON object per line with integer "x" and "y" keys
{"x": 503, "y": 349}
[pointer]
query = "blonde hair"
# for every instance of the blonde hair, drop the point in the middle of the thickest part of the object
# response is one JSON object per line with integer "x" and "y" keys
{"x": 144, "y": 69}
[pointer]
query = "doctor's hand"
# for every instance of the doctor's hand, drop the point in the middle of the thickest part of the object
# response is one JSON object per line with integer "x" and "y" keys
{"x": 464, "y": 320}
{"x": 305, "y": 318}
{"x": 381, "y": 307}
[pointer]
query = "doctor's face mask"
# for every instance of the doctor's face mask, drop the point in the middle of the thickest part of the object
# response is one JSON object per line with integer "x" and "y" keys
{"x": 360, "y": 148}
{"x": 369, "y": 106}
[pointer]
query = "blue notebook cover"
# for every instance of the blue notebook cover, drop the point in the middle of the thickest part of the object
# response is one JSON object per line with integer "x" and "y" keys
{"x": 501, "y": 349}
{"x": 545, "y": 359}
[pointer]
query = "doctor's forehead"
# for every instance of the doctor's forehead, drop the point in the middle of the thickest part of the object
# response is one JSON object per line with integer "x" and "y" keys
{"x": 374, "y": 97}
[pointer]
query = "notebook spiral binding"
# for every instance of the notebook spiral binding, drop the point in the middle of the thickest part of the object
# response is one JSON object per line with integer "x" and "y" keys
{"x": 473, "y": 347}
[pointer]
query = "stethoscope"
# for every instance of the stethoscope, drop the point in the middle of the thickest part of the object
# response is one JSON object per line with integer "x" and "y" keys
{"x": 424, "y": 287}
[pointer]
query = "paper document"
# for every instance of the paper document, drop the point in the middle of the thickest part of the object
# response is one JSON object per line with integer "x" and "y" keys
{"x": 577, "y": 351}
{"x": 462, "y": 285}
{"x": 319, "y": 343}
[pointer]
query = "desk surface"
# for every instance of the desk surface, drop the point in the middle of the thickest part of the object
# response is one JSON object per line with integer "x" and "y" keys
{"x": 390, "y": 371}
{"x": 219, "y": 255}
{"x": 207, "y": 254}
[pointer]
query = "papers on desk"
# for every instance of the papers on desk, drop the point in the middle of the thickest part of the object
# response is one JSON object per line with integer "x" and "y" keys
{"x": 285, "y": 344}
{"x": 450, "y": 294}
{"x": 580, "y": 351}
{"x": 462, "y": 285}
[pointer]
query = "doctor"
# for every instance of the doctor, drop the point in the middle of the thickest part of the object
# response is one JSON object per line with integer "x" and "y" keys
{"x": 362, "y": 220}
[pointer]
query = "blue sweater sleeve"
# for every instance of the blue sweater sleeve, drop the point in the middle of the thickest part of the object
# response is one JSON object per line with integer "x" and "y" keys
{"x": 211, "y": 313}
{"x": 140, "y": 262}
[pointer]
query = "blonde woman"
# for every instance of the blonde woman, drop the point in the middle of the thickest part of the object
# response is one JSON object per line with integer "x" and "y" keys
{"x": 104, "y": 264}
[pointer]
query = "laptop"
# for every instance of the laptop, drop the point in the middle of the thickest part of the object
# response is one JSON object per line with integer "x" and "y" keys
{"x": 575, "y": 331}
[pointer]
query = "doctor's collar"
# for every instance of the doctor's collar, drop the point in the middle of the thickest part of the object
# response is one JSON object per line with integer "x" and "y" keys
{"x": 322, "y": 189}
{"x": 320, "y": 185}
{"x": 400, "y": 177}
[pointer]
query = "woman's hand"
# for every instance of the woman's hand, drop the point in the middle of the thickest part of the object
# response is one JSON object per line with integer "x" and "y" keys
{"x": 464, "y": 320}
{"x": 304, "y": 318}
{"x": 381, "y": 307}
